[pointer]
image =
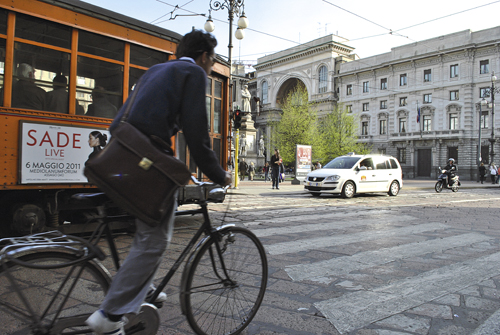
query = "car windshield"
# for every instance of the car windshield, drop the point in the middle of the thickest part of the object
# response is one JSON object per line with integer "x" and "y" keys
{"x": 343, "y": 162}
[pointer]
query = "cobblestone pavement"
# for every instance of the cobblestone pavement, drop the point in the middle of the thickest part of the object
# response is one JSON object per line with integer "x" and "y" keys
{"x": 418, "y": 263}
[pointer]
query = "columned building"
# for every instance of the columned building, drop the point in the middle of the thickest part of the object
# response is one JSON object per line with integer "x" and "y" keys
{"x": 312, "y": 64}
{"x": 444, "y": 78}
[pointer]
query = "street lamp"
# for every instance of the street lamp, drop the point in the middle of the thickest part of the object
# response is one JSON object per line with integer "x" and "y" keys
{"x": 233, "y": 7}
{"x": 491, "y": 92}
{"x": 481, "y": 104}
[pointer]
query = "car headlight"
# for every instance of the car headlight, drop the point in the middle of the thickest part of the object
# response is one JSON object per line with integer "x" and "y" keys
{"x": 332, "y": 178}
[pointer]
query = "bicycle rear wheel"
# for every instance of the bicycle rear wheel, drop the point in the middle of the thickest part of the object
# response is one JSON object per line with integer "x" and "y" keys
{"x": 40, "y": 286}
{"x": 218, "y": 304}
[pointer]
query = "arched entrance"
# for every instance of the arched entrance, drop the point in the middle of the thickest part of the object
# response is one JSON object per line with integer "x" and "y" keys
{"x": 286, "y": 87}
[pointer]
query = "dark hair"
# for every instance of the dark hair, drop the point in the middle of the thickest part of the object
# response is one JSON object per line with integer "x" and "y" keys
{"x": 195, "y": 43}
{"x": 61, "y": 79}
{"x": 102, "y": 137}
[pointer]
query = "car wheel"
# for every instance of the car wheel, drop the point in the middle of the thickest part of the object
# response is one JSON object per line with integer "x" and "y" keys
{"x": 394, "y": 189}
{"x": 348, "y": 190}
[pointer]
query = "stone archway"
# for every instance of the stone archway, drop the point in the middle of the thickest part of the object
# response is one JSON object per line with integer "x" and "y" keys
{"x": 285, "y": 88}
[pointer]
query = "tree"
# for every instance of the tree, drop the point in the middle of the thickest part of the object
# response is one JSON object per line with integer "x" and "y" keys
{"x": 297, "y": 123}
{"x": 337, "y": 135}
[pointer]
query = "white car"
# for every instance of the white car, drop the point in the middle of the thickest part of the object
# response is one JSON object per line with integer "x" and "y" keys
{"x": 351, "y": 174}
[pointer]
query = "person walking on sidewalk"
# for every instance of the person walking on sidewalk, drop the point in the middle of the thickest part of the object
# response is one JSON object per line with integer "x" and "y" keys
{"x": 493, "y": 173}
{"x": 275, "y": 166}
{"x": 266, "y": 172}
{"x": 242, "y": 169}
{"x": 251, "y": 171}
{"x": 482, "y": 172}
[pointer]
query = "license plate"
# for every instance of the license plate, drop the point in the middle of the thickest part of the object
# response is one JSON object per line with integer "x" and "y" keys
{"x": 314, "y": 184}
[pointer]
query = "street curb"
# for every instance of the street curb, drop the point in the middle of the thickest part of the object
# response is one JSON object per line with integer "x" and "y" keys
{"x": 259, "y": 187}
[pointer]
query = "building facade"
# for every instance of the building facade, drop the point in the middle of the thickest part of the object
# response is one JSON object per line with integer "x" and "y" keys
{"x": 420, "y": 102}
{"x": 311, "y": 64}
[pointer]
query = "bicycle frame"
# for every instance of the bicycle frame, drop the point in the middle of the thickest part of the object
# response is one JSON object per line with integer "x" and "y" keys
{"x": 57, "y": 325}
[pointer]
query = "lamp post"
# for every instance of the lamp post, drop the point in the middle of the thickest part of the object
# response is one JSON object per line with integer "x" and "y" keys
{"x": 481, "y": 104}
{"x": 233, "y": 7}
{"x": 491, "y": 92}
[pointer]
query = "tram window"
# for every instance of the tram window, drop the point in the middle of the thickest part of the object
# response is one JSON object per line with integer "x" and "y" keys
{"x": 208, "y": 102}
{"x": 218, "y": 89}
{"x": 134, "y": 75}
{"x": 2, "y": 68}
{"x": 209, "y": 86}
{"x": 99, "y": 45}
{"x": 146, "y": 57}
{"x": 34, "y": 70}
{"x": 217, "y": 115}
{"x": 102, "y": 93}
{"x": 3, "y": 21}
{"x": 43, "y": 31}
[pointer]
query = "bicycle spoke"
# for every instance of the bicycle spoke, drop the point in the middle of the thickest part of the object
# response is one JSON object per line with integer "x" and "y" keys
{"x": 226, "y": 307}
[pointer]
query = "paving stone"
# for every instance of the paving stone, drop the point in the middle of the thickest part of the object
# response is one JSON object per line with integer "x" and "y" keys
{"x": 390, "y": 332}
{"x": 472, "y": 291}
{"x": 479, "y": 303}
{"x": 488, "y": 283}
{"x": 491, "y": 293}
{"x": 454, "y": 330}
{"x": 416, "y": 325}
{"x": 433, "y": 311}
{"x": 450, "y": 299}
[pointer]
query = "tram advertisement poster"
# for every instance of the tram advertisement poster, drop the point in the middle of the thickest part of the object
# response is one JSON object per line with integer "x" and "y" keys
{"x": 54, "y": 153}
{"x": 303, "y": 161}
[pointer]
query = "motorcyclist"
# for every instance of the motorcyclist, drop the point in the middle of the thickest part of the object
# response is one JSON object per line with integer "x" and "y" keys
{"x": 451, "y": 169}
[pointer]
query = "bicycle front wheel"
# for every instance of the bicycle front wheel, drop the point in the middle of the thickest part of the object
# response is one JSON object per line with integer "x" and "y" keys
{"x": 218, "y": 301}
{"x": 31, "y": 304}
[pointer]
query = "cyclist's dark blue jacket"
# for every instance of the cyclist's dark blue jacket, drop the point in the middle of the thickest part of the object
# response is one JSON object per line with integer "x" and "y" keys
{"x": 171, "y": 97}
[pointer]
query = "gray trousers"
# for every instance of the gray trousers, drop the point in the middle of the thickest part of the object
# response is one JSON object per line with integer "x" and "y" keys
{"x": 132, "y": 282}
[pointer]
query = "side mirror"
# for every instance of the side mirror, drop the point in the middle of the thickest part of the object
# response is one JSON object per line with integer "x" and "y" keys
{"x": 363, "y": 168}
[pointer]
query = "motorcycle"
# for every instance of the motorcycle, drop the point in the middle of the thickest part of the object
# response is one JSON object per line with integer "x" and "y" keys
{"x": 443, "y": 182}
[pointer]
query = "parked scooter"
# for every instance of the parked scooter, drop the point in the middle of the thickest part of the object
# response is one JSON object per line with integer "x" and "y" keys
{"x": 443, "y": 182}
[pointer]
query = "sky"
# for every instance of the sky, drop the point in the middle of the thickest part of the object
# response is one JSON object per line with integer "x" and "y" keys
{"x": 371, "y": 27}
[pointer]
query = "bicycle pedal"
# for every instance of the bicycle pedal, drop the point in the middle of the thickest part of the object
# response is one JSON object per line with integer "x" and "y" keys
{"x": 146, "y": 322}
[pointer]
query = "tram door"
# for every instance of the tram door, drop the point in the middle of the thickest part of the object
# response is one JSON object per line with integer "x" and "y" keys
{"x": 424, "y": 163}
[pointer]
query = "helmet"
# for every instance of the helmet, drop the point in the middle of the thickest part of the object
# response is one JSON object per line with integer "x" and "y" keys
{"x": 451, "y": 160}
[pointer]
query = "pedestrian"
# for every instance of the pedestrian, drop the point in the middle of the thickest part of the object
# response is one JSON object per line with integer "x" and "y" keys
{"x": 482, "y": 172}
{"x": 251, "y": 171}
{"x": 242, "y": 169}
{"x": 162, "y": 106}
{"x": 493, "y": 173}
{"x": 275, "y": 166}
{"x": 266, "y": 172}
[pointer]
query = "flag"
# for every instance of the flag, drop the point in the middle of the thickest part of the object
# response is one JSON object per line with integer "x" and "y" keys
{"x": 418, "y": 114}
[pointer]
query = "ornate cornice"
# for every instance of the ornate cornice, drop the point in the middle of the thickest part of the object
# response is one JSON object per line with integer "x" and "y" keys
{"x": 331, "y": 46}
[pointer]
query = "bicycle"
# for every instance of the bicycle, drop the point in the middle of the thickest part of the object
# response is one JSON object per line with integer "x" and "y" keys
{"x": 50, "y": 282}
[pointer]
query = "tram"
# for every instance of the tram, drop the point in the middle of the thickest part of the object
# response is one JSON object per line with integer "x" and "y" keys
{"x": 66, "y": 67}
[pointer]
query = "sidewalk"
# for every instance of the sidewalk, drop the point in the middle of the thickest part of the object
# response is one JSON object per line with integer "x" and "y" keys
{"x": 259, "y": 186}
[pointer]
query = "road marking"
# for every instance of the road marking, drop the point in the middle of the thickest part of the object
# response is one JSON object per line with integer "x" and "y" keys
{"x": 321, "y": 271}
{"x": 359, "y": 309}
{"x": 333, "y": 223}
{"x": 329, "y": 241}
